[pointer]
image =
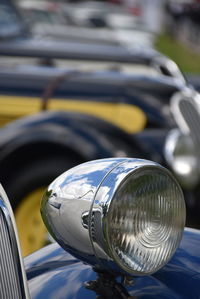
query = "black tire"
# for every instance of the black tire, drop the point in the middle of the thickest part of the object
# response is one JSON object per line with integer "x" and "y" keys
{"x": 35, "y": 174}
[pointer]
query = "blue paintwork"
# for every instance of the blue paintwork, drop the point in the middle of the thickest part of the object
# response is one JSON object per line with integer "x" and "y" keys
{"x": 97, "y": 86}
{"x": 53, "y": 273}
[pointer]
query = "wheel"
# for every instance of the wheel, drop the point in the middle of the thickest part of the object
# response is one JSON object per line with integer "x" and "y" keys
{"x": 32, "y": 232}
{"x": 25, "y": 191}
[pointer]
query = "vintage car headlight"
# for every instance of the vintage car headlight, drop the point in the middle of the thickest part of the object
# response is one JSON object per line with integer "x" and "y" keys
{"x": 123, "y": 215}
{"x": 181, "y": 155}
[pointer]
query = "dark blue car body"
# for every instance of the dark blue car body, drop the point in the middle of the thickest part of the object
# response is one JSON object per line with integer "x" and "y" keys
{"x": 53, "y": 273}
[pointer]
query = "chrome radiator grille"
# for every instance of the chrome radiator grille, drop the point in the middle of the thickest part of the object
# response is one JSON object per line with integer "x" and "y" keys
{"x": 13, "y": 283}
{"x": 191, "y": 117}
{"x": 9, "y": 280}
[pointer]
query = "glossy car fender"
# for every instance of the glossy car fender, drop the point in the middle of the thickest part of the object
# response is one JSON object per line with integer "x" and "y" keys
{"x": 52, "y": 272}
{"x": 86, "y": 136}
{"x": 103, "y": 136}
{"x": 106, "y": 94}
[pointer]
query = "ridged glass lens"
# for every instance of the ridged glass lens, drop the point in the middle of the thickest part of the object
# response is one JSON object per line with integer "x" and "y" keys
{"x": 145, "y": 221}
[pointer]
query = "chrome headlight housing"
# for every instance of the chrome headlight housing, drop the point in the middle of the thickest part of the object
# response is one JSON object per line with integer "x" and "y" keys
{"x": 180, "y": 154}
{"x": 122, "y": 215}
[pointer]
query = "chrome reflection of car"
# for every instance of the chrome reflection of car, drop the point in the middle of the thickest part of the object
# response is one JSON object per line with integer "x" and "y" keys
{"x": 121, "y": 221}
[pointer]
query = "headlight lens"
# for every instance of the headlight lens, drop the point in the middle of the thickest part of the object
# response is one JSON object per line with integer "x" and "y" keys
{"x": 145, "y": 221}
{"x": 180, "y": 153}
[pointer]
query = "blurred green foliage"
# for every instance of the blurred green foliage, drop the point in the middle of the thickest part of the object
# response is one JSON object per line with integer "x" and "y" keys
{"x": 187, "y": 60}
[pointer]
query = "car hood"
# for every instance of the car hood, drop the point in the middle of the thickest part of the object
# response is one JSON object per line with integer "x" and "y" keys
{"x": 52, "y": 272}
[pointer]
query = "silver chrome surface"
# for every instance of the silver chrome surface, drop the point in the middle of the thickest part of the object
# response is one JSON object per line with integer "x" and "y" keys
{"x": 13, "y": 283}
{"x": 66, "y": 207}
{"x": 75, "y": 206}
{"x": 181, "y": 156}
{"x": 168, "y": 67}
{"x": 185, "y": 106}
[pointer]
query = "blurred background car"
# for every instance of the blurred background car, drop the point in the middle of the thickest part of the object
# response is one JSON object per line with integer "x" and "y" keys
{"x": 115, "y": 95}
{"x": 89, "y": 21}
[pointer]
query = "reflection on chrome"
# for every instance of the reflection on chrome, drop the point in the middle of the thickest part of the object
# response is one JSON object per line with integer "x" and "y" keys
{"x": 75, "y": 189}
{"x": 180, "y": 154}
{"x": 123, "y": 215}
